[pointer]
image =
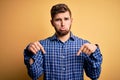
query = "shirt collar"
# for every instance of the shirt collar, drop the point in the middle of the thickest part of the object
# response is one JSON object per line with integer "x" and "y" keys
{"x": 54, "y": 37}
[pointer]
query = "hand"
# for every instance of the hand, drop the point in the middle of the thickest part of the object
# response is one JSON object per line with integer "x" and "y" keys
{"x": 87, "y": 48}
{"x": 35, "y": 47}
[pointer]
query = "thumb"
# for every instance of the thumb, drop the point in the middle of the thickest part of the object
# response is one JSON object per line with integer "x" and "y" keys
{"x": 41, "y": 48}
{"x": 78, "y": 53}
{"x": 80, "y": 50}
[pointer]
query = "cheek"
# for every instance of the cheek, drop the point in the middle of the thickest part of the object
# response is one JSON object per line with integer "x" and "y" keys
{"x": 68, "y": 24}
{"x": 56, "y": 23}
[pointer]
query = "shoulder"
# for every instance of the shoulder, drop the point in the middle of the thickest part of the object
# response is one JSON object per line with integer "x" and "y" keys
{"x": 45, "y": 40}
{"x": 80, "y": 40}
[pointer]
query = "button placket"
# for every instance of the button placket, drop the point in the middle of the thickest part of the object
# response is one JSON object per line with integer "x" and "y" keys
{"x": 63, "y": 57}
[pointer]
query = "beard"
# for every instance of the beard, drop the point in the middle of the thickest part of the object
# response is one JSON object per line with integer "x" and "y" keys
{"x": 62, "y": 32}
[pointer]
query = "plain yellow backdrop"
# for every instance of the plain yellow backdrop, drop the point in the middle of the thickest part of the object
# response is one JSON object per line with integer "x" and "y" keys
{"x": 25, "y": 21}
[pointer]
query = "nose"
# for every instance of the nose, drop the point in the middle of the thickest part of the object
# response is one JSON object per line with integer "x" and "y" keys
{"x": 62, "y": 23}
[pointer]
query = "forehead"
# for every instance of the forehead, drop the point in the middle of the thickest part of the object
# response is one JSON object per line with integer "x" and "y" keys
{"x": 61, "y": 15}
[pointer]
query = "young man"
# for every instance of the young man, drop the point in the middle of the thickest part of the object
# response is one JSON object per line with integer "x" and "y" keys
{"x": 62, "y": 56}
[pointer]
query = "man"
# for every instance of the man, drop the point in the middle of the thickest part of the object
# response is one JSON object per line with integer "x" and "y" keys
{"x": 62, "y": 56}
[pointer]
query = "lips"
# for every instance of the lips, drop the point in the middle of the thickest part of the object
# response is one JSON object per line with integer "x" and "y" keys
{"x": 62, "y": 29}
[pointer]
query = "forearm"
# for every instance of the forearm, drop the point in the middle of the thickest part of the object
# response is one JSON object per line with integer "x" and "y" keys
{"x": 35, "y": 69}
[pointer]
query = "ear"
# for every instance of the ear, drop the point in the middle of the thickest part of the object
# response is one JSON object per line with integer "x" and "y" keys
{"x": 71, "y": 20}
{"x": 52, "y": 22}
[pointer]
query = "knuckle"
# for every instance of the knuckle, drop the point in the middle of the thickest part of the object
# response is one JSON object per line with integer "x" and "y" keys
{"x": 31, "y": 44}
{"x": 29, "y": 47}
{"x": 90, "y": 50}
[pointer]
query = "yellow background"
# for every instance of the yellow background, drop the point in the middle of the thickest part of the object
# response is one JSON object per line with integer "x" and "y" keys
{"x": 25, "y": 21}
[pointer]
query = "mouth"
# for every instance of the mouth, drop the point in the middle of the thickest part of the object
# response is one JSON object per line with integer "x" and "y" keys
{"x": 62, "y": 29}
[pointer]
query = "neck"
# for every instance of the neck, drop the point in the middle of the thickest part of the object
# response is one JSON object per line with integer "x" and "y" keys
{"x": 64, "y": 38}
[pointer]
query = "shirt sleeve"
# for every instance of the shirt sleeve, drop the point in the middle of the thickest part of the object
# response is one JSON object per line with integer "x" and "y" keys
{"x": 35, "y": 70}
{"x": 92, "y": 64}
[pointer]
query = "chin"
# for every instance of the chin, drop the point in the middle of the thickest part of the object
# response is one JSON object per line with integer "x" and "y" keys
{"x": 63, "y": 33}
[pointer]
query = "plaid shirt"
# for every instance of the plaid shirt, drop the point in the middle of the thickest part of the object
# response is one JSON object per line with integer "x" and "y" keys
{"x": 60, "y": 61}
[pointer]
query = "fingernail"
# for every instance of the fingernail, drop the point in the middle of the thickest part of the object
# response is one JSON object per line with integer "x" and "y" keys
{"x": 77, "y": 54}
{"x": 44, "y": 52}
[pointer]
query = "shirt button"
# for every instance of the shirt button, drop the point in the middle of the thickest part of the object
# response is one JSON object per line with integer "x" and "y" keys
{"x": 63, "y": 68}
{"x": 62, "y": 56}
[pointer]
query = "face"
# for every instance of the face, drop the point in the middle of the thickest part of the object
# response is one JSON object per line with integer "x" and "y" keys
{"x": 62, "y": 23}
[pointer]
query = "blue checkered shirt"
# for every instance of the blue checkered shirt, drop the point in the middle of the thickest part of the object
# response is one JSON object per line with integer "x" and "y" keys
{"x": 60, "y": 61}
